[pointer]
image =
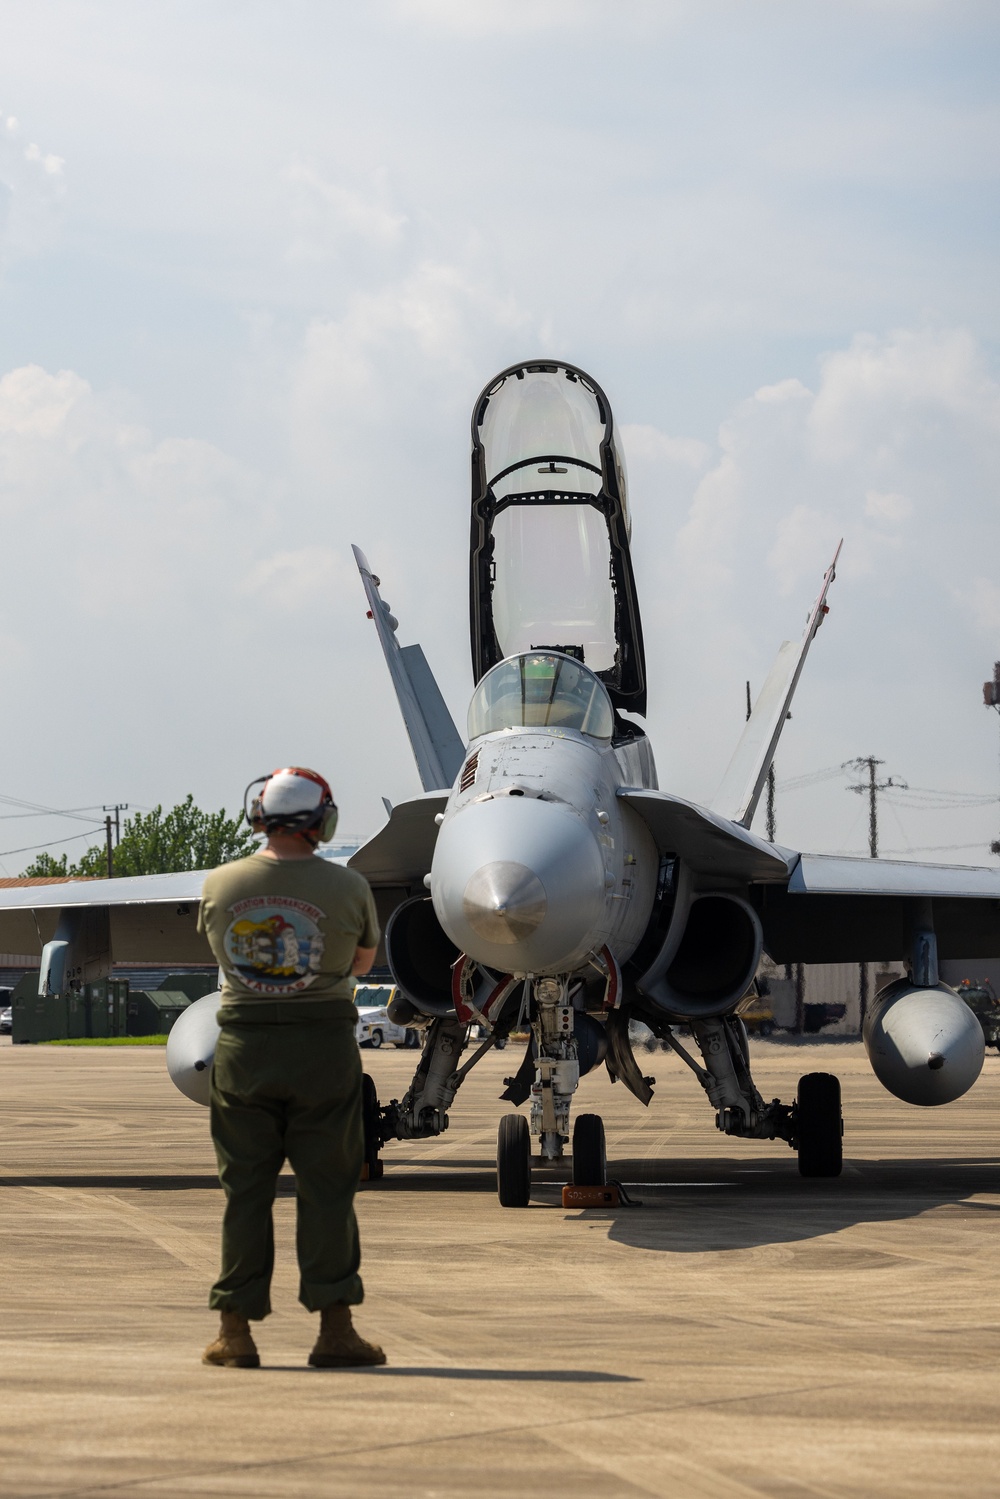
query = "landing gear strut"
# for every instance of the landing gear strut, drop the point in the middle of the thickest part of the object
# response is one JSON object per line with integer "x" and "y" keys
{"x": 557, "y": 1070}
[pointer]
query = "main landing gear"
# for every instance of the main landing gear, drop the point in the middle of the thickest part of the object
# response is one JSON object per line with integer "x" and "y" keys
{"x": 812, "y": 1126}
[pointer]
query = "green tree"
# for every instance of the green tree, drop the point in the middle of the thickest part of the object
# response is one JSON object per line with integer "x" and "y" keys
{"x": 46, "y": 867}
{"x": 161, "y": 842}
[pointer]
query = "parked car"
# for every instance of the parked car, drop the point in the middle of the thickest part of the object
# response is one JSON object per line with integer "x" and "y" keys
{"x": 757, "y": 1013}
{"x": 6, "y": 1021}
{"x": 983, "y": 1003}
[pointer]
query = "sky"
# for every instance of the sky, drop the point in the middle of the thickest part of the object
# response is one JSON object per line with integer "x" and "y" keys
{"x": 258, "y": 259}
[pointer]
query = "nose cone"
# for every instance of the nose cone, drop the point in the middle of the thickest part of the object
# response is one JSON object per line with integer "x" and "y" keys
{"x": 518, "y": 883}
{"x": 504, "y": 901}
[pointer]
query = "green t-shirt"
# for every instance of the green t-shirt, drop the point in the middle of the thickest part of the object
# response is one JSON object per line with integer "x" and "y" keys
{"x": 286, "y": 928}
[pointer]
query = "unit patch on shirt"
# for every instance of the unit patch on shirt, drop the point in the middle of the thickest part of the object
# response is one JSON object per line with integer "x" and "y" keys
{"x": 274, "y": 943}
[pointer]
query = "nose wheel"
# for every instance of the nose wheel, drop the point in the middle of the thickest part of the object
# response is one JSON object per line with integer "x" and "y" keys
{"x": 590, "y": 1157}
{"x": 819, "y": 1125}
{"x": 513, "y": 1161}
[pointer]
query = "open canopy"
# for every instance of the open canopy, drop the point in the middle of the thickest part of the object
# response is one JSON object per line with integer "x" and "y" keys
{"x": 550, "y": 556}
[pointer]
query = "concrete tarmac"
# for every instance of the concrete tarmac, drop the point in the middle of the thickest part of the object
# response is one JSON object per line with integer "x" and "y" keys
{"x": 744, "y": 1333}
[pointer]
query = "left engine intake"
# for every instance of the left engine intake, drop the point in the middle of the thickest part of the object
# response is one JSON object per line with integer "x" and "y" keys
{"x": 711, "y": 965}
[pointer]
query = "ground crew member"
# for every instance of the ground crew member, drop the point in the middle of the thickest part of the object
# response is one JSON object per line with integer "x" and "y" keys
{"x": 288, "y": 929}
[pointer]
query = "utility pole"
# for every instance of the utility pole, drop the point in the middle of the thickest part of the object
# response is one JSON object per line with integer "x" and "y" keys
{"x": 872, "y": 786}
{"x": 991, "y": 699}
{"x": 118, "y": 808}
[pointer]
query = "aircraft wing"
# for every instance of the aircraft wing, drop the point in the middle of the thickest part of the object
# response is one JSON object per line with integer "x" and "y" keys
{"x": 152, "y": 917}
{"x": 744, "y": 779}
{"x": 708, "y": 843}
{"x": 841, "y": 910}
{"x": 437, "y": 746}
{"x": 401, "y": 853}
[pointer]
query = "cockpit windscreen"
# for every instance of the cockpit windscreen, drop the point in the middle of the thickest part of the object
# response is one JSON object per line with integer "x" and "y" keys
{"x": 541, "y": 690}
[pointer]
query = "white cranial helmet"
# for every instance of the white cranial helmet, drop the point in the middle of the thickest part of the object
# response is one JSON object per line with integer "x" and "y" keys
{"x": 292, "y": 800}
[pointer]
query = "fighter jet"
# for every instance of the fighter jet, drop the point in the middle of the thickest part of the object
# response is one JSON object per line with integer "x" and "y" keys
{"x": 544, "y": 882}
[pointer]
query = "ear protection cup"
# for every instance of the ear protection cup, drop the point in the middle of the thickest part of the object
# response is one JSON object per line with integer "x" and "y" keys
{"x": 328, "y": 826}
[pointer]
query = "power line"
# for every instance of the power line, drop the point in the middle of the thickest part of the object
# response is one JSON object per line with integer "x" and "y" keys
{"x": 32, "y": 846}
{"x": 39, "y": 807}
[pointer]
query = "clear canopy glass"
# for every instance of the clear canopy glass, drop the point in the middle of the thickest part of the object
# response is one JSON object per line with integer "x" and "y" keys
{"x": 552, "y": 581}
{"x": 547, "y": 430}
{"x": 541, "y": 690}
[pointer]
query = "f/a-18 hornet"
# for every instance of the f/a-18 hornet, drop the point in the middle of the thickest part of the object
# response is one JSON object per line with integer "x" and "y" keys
{"x": 544, "y": 882}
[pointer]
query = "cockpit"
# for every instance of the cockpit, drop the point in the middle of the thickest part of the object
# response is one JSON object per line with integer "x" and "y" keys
{"x": 541, "y": 689}
{"x": 550, "y": 528}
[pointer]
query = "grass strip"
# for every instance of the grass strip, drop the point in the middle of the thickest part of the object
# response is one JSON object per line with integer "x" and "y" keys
{"x": 109, "y": 1041}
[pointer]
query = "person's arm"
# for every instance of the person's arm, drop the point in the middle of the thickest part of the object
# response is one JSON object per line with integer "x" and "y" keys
{"x": 364, "y": 953}
{"x": 364, "y": 957}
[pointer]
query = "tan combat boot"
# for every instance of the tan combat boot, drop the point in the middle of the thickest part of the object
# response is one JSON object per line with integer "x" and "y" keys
{"x": 234, "y": 1348}
{"x": 339, "y": 1346}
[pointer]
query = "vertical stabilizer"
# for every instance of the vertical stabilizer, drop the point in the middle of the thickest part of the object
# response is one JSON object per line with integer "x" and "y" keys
{"x": 743, "y": 782}
{"x": 437, "y": 747}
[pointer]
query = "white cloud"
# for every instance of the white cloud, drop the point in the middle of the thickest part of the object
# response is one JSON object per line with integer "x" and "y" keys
{"x": 290, "y": 581}
{"x": 897, "y": 450}
{"x": 501, "y": 17}
{"x": 31, "y": 206}
{"x": 887, "y": 506}
{"x": 327, "y": 211}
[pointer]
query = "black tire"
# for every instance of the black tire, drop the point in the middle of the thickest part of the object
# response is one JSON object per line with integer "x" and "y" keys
{"x": 765, "y": 1029}
{"x": 375, "y": 1039}
{"x": 819, "y": 1125}
{"x": 513, "y": 1161}
{"x": 590, "y": 1160}
{"x": 369, "y": 1124}
{"x": 412, "y": 1040}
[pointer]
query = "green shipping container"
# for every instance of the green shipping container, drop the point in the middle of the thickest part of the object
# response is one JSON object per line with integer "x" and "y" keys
{"x": 153, "y": 1012}
{"x": 76, "y": 1016}
{"x": 193, "y": 985}
{"x": 38, "y": 1017}
{"x": 107, "y": 1003}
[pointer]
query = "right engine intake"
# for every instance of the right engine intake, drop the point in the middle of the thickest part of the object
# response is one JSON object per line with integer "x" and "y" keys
{"x": 925, "y": 1044}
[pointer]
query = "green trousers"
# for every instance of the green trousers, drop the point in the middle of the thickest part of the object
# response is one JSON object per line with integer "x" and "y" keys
{"x": 289, "y": 1090}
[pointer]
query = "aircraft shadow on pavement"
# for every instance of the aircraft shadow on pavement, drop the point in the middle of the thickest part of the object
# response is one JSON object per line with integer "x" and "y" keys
{"x": 120, "y": 1183}
{"x": 690, "y": 1206}
{"x": 419, "y": 1371}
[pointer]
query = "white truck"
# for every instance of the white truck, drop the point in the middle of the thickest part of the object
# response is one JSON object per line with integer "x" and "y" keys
{"x": 374, "y": 1028}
